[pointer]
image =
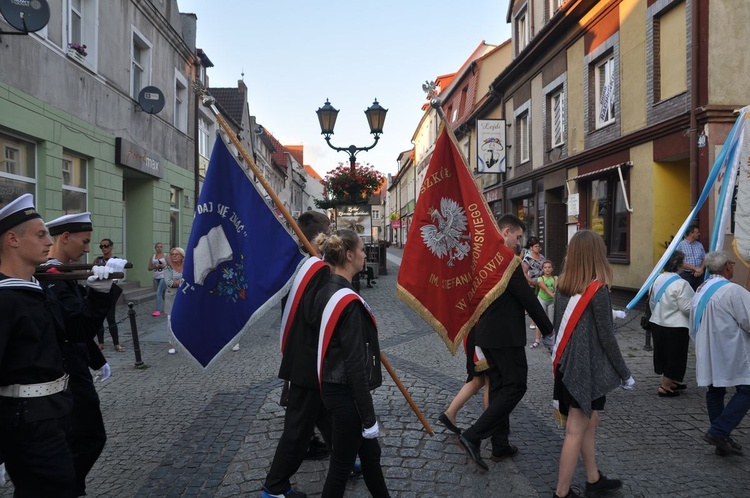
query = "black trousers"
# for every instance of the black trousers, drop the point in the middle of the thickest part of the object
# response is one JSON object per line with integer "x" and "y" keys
{"x": 38, "y": 459}
{"x": 347, "y": 443}
{"x": 304, "y": 411}
{"x": 670, "y": 351}
{"x": 507, "y": 373}
{"x": 112, "y": 323}
{"x": 88, "y": 436}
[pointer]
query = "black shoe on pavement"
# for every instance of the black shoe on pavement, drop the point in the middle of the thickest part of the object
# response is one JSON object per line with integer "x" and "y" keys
{"x": 472, "y": 450}
{"x": 602, "y": 486}
{"x": 443, "y": 418}
{"x": 317, "y": 450}
{"x": 504, "y": 453}
{"x": 571, "y": 494}
{"x": 723, "y": 444}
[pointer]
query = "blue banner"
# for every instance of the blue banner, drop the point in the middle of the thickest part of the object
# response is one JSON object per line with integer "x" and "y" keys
{"x": 239, "y": 261}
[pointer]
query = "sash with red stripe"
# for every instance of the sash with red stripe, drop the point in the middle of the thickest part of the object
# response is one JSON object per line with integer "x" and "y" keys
{"x": 331, "y": 314}
{"x": 573, "y": 313}
{"x": 308, "y": 270}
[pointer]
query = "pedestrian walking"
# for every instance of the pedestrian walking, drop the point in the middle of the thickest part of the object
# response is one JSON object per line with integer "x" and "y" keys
{"x": 670, "y": 301}
{"x": 546, "y": 285}
{"x": 32, "y": 381}
{"x": 349, "y": 368}
{"x": 157, "y": 264}
{"x": 83, "y": 310}
{"x": 172, "y": 278}
{"x": 107, "y": 248}
{"x": 476, "y": 371}
{"x": 587, "y": 362}
{"x": 532, "y": 269}
{"x": 299, "y": 348}
{"x": 501, "y": 333}
{"x": 720, "y": 328}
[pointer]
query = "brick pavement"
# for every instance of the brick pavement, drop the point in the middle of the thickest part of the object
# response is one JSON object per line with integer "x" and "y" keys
{"x": 176, "y": 431}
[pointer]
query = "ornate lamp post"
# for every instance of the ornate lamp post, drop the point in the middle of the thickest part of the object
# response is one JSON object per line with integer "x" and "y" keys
{"x": 375, "y": 118}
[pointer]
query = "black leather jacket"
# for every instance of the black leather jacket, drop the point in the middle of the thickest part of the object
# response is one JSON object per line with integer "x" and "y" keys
{"x": 353, "y": 355}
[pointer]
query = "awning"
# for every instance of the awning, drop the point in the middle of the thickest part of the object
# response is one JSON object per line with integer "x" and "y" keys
{"x": 598, "y": 172}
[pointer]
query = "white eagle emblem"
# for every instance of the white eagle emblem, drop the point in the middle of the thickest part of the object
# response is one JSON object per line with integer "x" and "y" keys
{"x": 447, "y": 238}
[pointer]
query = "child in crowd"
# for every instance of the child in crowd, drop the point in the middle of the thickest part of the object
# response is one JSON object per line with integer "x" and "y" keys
{"x": 546, "y": 285}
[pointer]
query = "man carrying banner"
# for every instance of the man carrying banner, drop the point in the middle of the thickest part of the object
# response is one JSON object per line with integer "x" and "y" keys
{"x": 299, "y": 347}
{"x": 501, "y": 333}
{"x": 720, "y": 328}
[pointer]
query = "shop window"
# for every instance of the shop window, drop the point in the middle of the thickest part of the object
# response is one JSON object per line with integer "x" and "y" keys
{"x": 17, "y": 168}
{"x": 526, "y": 212}
{"x": 74, "y": 190}
{"x": 608, "y": 214}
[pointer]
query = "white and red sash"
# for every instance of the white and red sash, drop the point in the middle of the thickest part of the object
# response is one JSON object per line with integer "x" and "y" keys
{"x": 331, "y": 314}
{"x": 573, "y": 313}
{"x": 309, "y": 268}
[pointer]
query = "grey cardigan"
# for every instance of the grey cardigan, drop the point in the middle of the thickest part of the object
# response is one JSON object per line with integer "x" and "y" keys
{"x": 592, "y": 364}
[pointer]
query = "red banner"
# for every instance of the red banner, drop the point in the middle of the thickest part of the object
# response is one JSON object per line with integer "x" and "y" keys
{"x": 455, "y": 262}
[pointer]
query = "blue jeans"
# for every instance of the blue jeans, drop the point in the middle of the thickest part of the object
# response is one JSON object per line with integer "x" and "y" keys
{"x": 161, "y": 288}
{"x": 724, "y": 419}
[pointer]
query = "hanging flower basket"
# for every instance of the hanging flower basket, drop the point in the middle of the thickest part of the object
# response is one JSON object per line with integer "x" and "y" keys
{"x": 342, "y": 186}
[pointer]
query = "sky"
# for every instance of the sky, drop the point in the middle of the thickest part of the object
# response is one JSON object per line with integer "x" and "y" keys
{"x": 296, "y": 54}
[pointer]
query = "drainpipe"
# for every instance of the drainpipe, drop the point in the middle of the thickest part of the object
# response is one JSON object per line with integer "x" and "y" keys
{"x": 694, "y": 78}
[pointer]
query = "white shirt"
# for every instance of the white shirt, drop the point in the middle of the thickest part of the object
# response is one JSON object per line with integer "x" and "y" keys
{"x": 722, "y": 342}
{"x": 673, "y": 309}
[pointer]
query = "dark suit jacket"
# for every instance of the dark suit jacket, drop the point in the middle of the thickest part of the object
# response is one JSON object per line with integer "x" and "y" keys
{"x": 503, "y": 324}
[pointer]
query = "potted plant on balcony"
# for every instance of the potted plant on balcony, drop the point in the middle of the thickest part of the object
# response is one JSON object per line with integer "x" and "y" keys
{"x": 77, "y": 51}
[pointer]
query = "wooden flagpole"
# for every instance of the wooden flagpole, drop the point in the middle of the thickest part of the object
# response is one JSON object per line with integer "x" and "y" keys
{"x": 209, "y": 102}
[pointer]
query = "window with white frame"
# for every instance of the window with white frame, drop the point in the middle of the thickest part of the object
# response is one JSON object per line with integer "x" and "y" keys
{"x": 204, "y": 134}
{"x": 522, "y": 30}
{"x": 17, "y": 168}
{"x": 180, "y": 102}
{"x": 557, "y": 118}
{"x": 174, "y": 216}
{"x": 74, "y": 176}
{"x": 140, "y": 63}
{"x": 604, "y": 80}
{"x": 81, "y": 27}
{"x": 523, "y": 136}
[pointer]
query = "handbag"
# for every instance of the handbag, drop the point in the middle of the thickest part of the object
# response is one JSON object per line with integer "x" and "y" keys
{"x": 646, "y": 318}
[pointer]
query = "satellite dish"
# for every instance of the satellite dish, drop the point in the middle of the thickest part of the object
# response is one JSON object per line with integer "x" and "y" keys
{"x": 24, "y": 15}
{"x": 151, "y": 100}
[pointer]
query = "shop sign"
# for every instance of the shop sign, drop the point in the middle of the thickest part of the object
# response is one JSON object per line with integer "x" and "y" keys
{"x": 135, "y": 157}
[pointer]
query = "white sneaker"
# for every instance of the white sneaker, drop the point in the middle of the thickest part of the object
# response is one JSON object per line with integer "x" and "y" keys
{"x": 236, "y": 347}
{"x": 172, "y": 351}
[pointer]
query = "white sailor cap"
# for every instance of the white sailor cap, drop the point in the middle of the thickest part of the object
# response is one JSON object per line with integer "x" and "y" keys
{"x": 79, "y": 222}
{"x": 18, "y": 211}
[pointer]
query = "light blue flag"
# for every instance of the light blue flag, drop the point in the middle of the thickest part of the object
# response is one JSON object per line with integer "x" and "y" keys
{"x": 239, "y": 261}
{"x": 723, "y": 163}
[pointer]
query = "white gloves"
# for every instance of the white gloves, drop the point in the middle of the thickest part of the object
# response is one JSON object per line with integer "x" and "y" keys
{"x": 628, "y": 384}
{"x": 621, "y": 314}
{"x": 103, "y": 373}
{"x": 100, "y": 272}
{"x": 371, "y": 432}
{"x": 116, "y": 265}
{"x": 98, "y": 285}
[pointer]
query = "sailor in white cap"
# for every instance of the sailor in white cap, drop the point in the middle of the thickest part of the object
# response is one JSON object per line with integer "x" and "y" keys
{"x": 32, "y": 381}
{"x": 83, "y": 310}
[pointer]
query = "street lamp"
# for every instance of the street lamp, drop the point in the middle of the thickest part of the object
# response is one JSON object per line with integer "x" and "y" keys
{"x": 327, "y": 118}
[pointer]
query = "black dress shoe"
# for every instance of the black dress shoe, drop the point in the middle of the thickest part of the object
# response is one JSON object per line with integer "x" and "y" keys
{"x": 723, "y": 444}
{"x": 443, "y": 418}
{"x": 507, "y": 451}
{"x": 472, "y": 450}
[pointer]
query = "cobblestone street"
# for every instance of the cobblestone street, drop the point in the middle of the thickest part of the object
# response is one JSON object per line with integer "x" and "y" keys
{"x": 175, "y": 431}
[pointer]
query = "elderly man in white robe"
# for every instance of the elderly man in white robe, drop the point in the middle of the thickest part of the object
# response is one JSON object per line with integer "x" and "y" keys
{"x": 720, "y": 328}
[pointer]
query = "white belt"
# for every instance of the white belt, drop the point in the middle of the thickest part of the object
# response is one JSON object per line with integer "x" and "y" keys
{"x": 35, "y": 390}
